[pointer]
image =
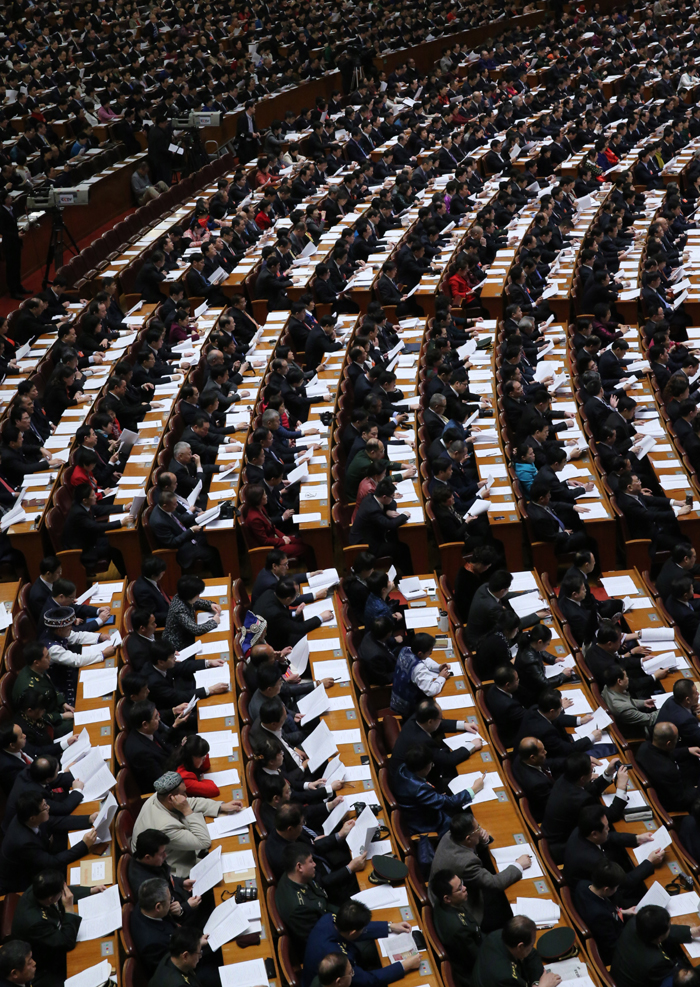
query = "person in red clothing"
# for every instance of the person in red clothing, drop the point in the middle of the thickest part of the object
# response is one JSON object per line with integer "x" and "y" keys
{"x": 259, "y": 528}
{"x": 263, "y": 218}
{"x": 376, "y": 471}
{"x": 84, "y": 472}
{"x": 459, "y": 286}
{"x": 191, "y": 761}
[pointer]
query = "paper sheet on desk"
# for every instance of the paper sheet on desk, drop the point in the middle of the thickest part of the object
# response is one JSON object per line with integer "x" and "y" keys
{"x": 321, "y": 644}
{"x": 335, "y": 668}
{"x": 95, "y": 975}
{"x": 216, "y": 711}
{"x": 252, "y": 973}
{"x": 207, "y": 677}
{"x": 461, "y": 701}
{"x": 91, "y": 716}
{"x": 230, "y": 824}
{"x": 383, "y": 896}
{"x": 98, "y": 682}
{"x": 619, "y": 585}
{"x": 316, "y": 609}
{"x": 319, "y": 746}
{"x": 492, "y": 781}
{"x": 224, "y": 624}
{"x": 221, "y": 779}
{"x": 507, "y": 855}
{"x": 238, "y": 861}
{"x": 580, "y": 705}
{"x": 101, "y": 914}
{"x": 221, "y": 742}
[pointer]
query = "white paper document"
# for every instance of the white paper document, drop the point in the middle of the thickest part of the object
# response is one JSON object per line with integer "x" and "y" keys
{"x": 94, "y": 976}
{"x": 101, "y": 914}
{"x": 660, "y": 841}
{"x": 249, "y": 974}
{"x": 207, "y": 872}
{"x": 319, "y": 746}
{"x": 507, "y": 855}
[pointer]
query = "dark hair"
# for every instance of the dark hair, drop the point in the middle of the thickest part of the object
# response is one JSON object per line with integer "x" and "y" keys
{"x": 652, "y": 922}
{"x": 293, "y": 854}
{"x": 148, "y": 842}
{"x": 13, "y": 955}
{"x": 185, "y": 939}
{"x": 352, "y": 916}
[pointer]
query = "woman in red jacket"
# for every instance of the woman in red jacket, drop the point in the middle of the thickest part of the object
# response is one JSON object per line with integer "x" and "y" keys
{"x": 84, "y": 472}
{"x": 191, "y": 762}
{"x": 260, "y": 529}
{"x": 459, "y": 286}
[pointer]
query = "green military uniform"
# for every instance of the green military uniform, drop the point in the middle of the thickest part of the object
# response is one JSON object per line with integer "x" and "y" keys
{"x": 168, "y": 975}
{"x": 29, "y": 679}
{"x": 636, "y": 961}
{"x": 496, "y": 967}
{"x": 461, "y": 937}
{"x": 301, "y": 906}
{"x": 357, "y": 471}
{"x": 51, "y": 931}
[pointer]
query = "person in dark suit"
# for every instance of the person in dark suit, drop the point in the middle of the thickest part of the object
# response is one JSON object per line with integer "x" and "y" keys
{"x": 160, "y": 160}
{"x": 146, "y": 749}
{"x": 11, "y": 247}
{"x": 689, "y": 832}
{"x": 150, "y": 277}
{"x": 271, "y": 286}
{"x": 506, "y": 710}
{"x": 41, "y": 777}
{"x": 671, "y": 770}
{"x": 377, "y": 522}
{"x": 683, "y": 562}
{"x": 594, "y": 837}
{"x": 147, "y": 592}
{"x": 246, "y": 133}
{"x": 49, "y": 572}
{"x": 679, "y": 709}
{"x": 151, "y": 925}
{"x": 473, "y": 574}
{"x": 17, "y": 753}
{"x": 378, "y": 651}
{"x": 321, "y": 340}
{"x": 276, "y": 568}
{"x": 574, "y": 790}
{"x": 189, "y": 540}
{"x": 533, "y": 772}
{"x": 334, "y": 868}
{"x": 28, "y": 847}
{"x": 283, "y": 627}
{"x": 489, "y": 601}
{"x": 427, "y": 727}
{"x": 683, "y": 609}
{"x": 597, "y": 905}
{"x": 547, "y": 722}
{"x": 649, "y": 517}
{"x": 583, "y": 621}
{"x": 84, "y": 530}
{"x": 648, "y": 951}
{"x": 554, "y": 525}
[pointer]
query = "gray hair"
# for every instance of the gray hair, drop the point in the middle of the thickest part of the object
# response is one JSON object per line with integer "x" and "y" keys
{"x": 180, "y": 447}
{"x": 437, "y": 400}
{"x": 269, "y": 416}
{"x": 152, "y": 892}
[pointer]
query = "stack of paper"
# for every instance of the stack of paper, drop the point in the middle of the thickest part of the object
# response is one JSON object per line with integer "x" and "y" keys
{"x": 656, "y": 634}
{"x": 207, "y": 677}
{"x": 231, "y": 824}
{"x": 314, "y": 704}
{"x": 619, "y": 585}
{"x": 227, "y": 922}
{"x": 543, "y": 911}
{"x": 98, "y": 682}
{"x": 383, "y": 896}
{"x": 252, "y": 973}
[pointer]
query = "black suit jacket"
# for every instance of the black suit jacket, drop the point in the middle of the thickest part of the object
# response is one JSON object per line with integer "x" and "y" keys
{"x": 146, "y": 758}
{"x": 148, "y": 597}
{"x": 61, "y": 801}
{"x": 168, "y": 534}
{"x": 507, "y": 714}
{"x": 553, "y": 734}
{"x": 24, "y": 853}
{"x": 564, "y": 807}
{"x": 665, "y": 776}
{"x": 581, "y": 857}
{"x": 283, "y": 628}
{"x": 582, "y": 621}
{"x": 536, "y": 785}
{"x": 445, "y": 761}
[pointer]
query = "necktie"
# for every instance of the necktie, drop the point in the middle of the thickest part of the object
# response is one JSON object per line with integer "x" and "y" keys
{"x": 26, "y": 758}
{"x": 164, "y": 595}
{"x": 7, "y": 486}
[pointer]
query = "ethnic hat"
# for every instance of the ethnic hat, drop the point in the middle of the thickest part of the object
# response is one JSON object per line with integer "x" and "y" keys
{"x": 167, "y": 783}
{"x": 60, "y": 617}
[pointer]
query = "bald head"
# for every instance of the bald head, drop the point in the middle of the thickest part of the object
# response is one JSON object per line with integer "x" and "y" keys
{"x": 665, "y": 736}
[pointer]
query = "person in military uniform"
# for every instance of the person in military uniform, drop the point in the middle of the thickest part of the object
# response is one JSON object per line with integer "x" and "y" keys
{"x": 178, "y": 966}
{"x": 457, "y": 930}
{"x": 334, "y": 970}
{"x": 648, "y": 950}
{"x": 34, "y": 675}
{"x": 41, "y": 920}
{"x": 343, "y": 933}
{"x": 508, "y": 958}
{"x": 300, "y": 900}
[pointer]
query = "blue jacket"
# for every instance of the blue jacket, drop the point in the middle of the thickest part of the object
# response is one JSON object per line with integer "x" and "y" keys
{"x": 425, "y": 808}
{"x": 376, "y": 607}
{"x": 405, "y": 694}
{"x": 325, "y": 939}
{"x": 526, "y": 473}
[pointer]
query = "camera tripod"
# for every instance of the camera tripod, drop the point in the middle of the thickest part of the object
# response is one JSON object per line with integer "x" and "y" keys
{"x": 57, "y": 244}
{"x": 358, "y": 77}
